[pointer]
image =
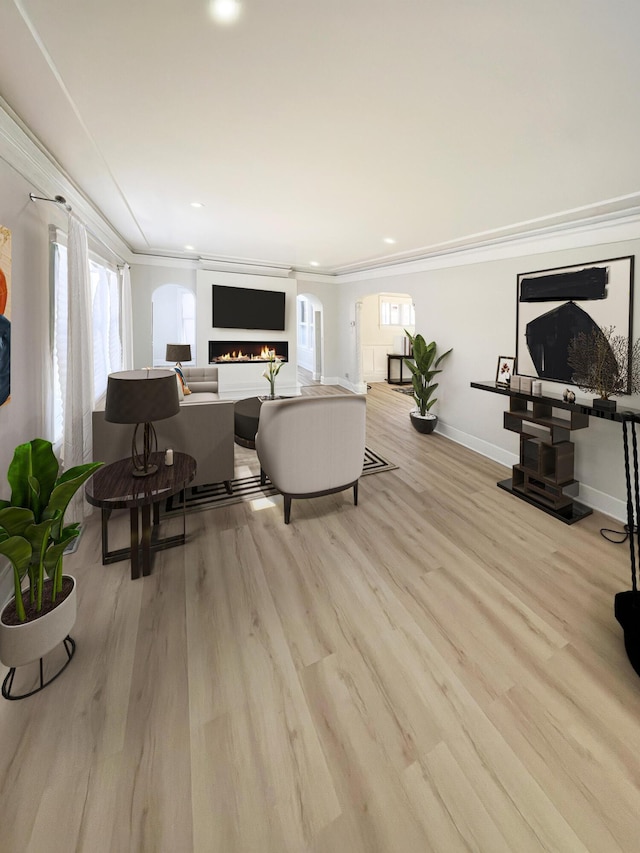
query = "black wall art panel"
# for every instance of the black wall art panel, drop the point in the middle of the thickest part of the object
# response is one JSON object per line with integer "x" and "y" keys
{"x": 556, "y": 305}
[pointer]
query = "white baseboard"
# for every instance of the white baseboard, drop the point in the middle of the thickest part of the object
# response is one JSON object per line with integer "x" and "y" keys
{"x": 484, "y": 448}
{"x": 593, "y": 498}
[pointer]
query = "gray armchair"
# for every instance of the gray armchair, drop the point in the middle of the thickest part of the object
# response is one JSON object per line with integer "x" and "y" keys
{"x": 311, "y": 446}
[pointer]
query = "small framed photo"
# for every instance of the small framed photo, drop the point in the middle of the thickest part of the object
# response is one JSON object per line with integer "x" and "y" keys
{"x": 506, "y": 369}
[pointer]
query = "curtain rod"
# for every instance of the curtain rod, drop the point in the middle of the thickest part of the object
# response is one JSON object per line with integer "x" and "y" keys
{"x": 61, "y": 200}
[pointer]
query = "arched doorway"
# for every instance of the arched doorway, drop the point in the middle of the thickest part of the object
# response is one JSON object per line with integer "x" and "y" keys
{"x": 173, "y": 320}
{"x": 382, "y": 318}
{"x": 310, "y": 357}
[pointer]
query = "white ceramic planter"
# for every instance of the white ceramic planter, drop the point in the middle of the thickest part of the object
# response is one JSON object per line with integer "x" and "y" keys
{"x": 21, "y": 644}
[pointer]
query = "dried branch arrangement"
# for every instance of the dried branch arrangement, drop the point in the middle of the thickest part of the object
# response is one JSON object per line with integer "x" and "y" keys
{"x": 604, "y": 363}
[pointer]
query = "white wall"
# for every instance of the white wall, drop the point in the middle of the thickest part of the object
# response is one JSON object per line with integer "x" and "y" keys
{"x": 22, "y": 416}
{"x": 246, "y": 379}
{"x": 472, "y": 308}
{"x": 145, "y": 278}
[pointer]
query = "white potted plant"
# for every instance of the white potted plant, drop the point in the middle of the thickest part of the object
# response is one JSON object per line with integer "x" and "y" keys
{"x": 33, "y": 537}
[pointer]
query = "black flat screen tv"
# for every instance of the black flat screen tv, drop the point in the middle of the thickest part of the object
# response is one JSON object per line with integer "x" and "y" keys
{"x": 244, "y": 308}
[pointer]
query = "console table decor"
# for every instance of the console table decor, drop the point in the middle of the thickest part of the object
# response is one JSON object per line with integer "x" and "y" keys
{"x": 543, "y": 476}
{"x": 114, "y": 487}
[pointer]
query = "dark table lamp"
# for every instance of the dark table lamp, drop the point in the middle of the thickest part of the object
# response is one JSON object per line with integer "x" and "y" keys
{"x": 178, "y": 353}
{"x": 140, "y": 397}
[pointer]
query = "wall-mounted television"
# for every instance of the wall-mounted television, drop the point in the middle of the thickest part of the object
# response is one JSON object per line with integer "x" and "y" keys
{"x": 245, "y": 308}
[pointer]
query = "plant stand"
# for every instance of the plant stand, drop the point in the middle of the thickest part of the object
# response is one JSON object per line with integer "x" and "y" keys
{"x": 7, "y": 684}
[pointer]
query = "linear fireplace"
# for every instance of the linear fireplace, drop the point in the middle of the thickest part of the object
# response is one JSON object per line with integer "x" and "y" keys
{"x": 246, "y": 352}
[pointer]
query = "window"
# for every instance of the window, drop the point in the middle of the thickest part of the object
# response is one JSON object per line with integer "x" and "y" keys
{"x": 305, "y": 323}
{"x": 397, "y": 311}
{"x": 107, "y": 347}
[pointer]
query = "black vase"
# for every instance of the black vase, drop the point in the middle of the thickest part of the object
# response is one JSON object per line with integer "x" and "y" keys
{"x": 423, "y": 425}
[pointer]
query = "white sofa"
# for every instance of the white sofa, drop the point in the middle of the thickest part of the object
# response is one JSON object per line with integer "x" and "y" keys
{"x": 203, "y": 428}
{"x": 311, "y": 446}
{"x": 201, "y": 379}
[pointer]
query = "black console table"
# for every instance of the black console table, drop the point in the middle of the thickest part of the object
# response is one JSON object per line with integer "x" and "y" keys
{"x": 391, "y": 356}
{"x": 544, "y": 475}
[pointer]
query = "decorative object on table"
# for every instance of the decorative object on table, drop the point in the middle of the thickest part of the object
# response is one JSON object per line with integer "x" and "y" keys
{"x": 568, "y": 396}
{"x": 33, "y": 537}
{"x": 556, "y": 305}
{"x": 627, "y": 604}
{"x": 141, "y": 397}
{"x": 514, "y": 382}
{"x": 605, "y": 364}
{"x": 5, "y": 315}
{"x": 536, "y": 387}
{"x": 168, "y": 457}
{"x": 505, "y": 370}
{"x": 525, "y": 384}
{"x": 423, "y": 368}
{"x": 179, "y": 353}
{"x": 271, "y": 372}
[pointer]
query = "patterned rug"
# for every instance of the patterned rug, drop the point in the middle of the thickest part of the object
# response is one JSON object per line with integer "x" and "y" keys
{"x": 249, "y": 488}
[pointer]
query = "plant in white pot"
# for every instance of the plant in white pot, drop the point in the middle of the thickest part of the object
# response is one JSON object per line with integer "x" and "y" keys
{"x": 423, "y": 368}
{"x": 33, "y": 537}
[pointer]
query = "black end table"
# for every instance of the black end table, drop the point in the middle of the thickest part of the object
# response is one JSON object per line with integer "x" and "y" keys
{"x": 114, "y": 487}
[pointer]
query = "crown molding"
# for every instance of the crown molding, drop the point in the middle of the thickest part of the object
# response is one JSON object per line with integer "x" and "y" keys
{"x": 611, "y": 227}
{"x": 26, "y": 154}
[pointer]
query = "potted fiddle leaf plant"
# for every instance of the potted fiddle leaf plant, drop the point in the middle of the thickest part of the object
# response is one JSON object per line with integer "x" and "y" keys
{"x": 33, "y": 537}
{"x": 424, "y": 367}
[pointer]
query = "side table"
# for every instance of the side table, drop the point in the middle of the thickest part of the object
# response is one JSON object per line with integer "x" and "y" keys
{"x": 114, "y": 487}
{"x": 400, "y": 358}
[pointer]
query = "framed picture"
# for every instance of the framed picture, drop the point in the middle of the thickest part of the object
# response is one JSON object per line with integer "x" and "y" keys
{"x": 556, "y": 305}
{"x": 505, "y": 370}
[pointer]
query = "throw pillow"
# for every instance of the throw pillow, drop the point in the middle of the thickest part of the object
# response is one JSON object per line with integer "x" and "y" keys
{"x": 180, "y": 391}
{"x": 182, "y": 383}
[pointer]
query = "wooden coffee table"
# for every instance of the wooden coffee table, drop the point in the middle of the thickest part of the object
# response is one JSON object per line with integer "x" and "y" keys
{"x": 114, "y": 487}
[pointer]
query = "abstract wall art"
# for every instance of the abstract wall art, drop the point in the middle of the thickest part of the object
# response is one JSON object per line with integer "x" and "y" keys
{"x": 5, "y": 315}
{"x": 555, "y": 305}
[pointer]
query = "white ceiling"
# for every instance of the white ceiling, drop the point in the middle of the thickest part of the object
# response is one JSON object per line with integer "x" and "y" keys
{"x": 313, "y": 130}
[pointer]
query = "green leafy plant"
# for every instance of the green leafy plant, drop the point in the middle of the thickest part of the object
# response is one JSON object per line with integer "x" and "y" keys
{"x": 423, "y": 368}
{"x": 33, "y": 535}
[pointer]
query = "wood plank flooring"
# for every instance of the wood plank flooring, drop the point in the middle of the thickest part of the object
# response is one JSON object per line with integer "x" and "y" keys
{"x": 438, "y": 669}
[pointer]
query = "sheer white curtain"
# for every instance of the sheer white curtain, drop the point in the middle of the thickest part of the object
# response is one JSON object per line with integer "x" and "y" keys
{"x": 78, "y": 377}
{"x": 126, "y": 319}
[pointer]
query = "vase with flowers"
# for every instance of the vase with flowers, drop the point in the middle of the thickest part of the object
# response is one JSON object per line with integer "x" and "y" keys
{"x": 271, "y": 372}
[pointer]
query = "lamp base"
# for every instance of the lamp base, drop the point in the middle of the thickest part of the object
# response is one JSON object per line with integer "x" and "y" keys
{"x": 140, "y": 472}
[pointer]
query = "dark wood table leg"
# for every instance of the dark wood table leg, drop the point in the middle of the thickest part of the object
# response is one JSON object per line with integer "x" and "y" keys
{"x": 146, "y": 540}
{"x": 106, "y": 515}
{"x": 135, "y": 543}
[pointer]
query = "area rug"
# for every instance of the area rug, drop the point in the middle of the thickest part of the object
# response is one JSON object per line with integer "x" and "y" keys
{"x": 249, "y": 488}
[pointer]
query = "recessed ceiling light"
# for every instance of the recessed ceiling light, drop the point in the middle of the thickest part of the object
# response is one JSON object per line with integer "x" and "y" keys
{"x": 225, "y": 11}
{"x": 197, "y": 204}
{"x": 314, "y": 264}
{"x": 190, "y": 248}
{"x": 389, "y": 240}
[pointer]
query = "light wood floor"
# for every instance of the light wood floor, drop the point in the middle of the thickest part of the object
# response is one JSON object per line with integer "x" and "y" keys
{"x": 438, "y": 669}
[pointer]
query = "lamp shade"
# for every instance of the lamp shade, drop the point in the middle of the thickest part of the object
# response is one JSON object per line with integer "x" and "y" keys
{"x": 178, "y": 352}
{"x": 141, "y": 396}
